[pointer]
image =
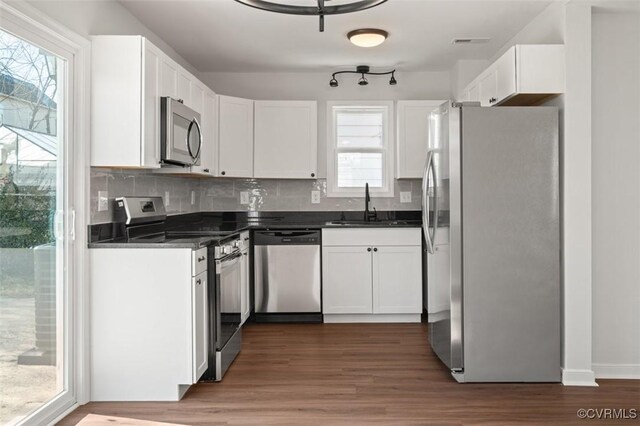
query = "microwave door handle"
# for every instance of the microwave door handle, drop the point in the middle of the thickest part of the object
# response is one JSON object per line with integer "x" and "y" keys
{"x": 194, "y": 122}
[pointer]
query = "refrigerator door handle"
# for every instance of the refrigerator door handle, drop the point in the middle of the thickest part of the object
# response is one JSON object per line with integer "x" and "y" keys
{"x": 425, "y": 203}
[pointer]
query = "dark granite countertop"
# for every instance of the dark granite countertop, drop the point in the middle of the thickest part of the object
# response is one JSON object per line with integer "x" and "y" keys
{"x": 222, "y": 226}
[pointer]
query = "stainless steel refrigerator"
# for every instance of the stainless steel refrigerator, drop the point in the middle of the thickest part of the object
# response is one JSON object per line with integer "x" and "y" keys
{"x": 491, "y": 209}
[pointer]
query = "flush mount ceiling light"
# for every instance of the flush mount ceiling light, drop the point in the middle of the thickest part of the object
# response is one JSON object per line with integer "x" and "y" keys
{"x": 367, "y": 37}
{"x": 319, "y": 8}
{"x": 363, "y": 70}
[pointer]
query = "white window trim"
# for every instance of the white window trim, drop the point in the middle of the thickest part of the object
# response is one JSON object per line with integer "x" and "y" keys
{"x": 28, "y": 23}
{"x": 389, "y": 155}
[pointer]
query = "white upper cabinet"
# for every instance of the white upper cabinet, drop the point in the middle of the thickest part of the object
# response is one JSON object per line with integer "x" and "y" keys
{"x": 125, "y": 104}
{"x": 184, "y": 89}
{"x": 129, "y": 75}
{"x": 168, "y": 78}
{"x": 286, "y": 139}
{"x": 235, "y": 137}
{"x": 413, "y": 137}
{"x": 524, "y": 75}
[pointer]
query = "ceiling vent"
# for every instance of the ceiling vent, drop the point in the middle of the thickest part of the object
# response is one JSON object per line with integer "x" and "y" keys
{"x": 471, "y": 40}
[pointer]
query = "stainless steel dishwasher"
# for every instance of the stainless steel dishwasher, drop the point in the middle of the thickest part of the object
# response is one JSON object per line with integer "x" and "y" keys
{"x": 287, "y": 276}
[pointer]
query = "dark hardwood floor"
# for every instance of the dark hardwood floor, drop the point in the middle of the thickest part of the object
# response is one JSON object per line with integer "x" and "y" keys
{"x": 381, "y": 374}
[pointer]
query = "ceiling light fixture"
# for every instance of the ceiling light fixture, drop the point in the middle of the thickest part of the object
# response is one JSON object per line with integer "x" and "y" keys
{"x": 367, "y": 37}
{"x": 363, "y": 70}
{"x": 318, "y": 7}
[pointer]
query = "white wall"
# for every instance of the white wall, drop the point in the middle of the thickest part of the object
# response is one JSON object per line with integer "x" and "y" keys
{"x": 616, "y": 194}
{"x": 103, "y": 17}
{"x": 546, "y": 28}
{"x": 315, "y": 86}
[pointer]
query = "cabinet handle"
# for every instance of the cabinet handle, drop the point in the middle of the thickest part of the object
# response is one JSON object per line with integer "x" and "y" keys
{"x": 492, "y": 100}
{"x": 200, "y": 259}
{"x": 369, "y": 249}
{"x": 375, "y": 249}
{"x": 313, "y": 175}
{"x": 206, "y": 170}
{"x": 223, "y": 173}
{"x": 245, "y": 254}
{"x": 198, "y": 281}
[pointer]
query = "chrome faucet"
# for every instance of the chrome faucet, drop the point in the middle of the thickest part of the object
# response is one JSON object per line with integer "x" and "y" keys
{"x": 368, "y": 216}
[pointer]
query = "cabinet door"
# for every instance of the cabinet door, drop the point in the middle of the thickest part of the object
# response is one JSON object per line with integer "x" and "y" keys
{"x": 473, "y": 95}
{"x": 245, "y": 307}
{"x": 506, "y": 75}
{"x": 184, "y": 88}
{"x": 151, "y": 106}
{"x": 346, "y": 280}
{"x": 397, "y": 280}
{"x": 235, "y": 137}
{"x": 168, "y": 77}
{"x": 200, "y": 325}
{"x": 413, "y": 137}
{"x": 286, "y": 139}
{"x": 488, "y": 87}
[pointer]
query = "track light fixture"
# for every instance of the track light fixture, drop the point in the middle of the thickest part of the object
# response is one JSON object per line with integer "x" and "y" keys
{"x": 314, "y": 7}
{"x": 363, "y": 70}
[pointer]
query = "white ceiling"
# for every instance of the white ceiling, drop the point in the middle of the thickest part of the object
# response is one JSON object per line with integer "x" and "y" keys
{"x": 223, "y": 35}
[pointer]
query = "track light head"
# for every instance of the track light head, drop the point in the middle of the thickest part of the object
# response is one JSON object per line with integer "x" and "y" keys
{"x": 393, "y": 80}
{"x": 333, "y": 82}
{"x": 363, "y": 81}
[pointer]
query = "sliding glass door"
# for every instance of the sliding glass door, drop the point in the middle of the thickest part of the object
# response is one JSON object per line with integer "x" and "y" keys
{"x": 37, "y": 223}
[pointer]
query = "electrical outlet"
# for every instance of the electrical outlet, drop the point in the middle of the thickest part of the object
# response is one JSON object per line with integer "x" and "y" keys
{"x": 167, "y": 198}
{"x": 244, "y": 197}
{"x": 103, "y": 201}
{"x": 405, "y": 197}
{"x": 315, "y": 197}
{"x": 193, "y": 197}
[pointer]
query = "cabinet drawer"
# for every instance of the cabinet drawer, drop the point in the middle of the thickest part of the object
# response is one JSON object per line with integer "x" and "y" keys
{"x": 198, "y": 261}
{"x": 372, "y": 237}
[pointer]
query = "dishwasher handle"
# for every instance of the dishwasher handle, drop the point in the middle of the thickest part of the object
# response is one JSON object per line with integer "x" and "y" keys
{"x": 271, "y": 238}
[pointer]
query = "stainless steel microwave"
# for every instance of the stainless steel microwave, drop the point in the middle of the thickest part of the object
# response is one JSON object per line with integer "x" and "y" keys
{"x": 180, "y": 134}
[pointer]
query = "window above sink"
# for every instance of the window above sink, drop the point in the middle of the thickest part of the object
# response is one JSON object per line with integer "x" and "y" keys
{"x": 360, "y": 148}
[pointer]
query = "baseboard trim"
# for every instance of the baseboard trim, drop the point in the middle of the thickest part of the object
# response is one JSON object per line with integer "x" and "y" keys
{"x": 617, "y": 371}
{"x": 371, "y": 318}
{"x": 578, "y": 378}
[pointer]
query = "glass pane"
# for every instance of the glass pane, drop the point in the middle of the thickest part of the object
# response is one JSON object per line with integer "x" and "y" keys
{"x": 31, "y": 272}
{"x": 360, "y": 128}
{"x": 357, "y": 168}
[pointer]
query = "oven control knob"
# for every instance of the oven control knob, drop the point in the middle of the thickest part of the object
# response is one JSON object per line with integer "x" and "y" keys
{"x": 225, "y": 250}
{"x": 237, "y": 244}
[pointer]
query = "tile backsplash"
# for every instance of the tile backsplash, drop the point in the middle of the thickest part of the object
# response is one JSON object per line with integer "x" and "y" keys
{"x": 223, "y": 194}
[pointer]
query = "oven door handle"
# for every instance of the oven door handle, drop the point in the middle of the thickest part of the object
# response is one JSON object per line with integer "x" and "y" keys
{"x": 229, "y": 260}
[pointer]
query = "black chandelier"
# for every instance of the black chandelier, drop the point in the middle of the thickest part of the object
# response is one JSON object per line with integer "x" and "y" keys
{"x": 363, "y": 70}
{"x": 320, "y": 10}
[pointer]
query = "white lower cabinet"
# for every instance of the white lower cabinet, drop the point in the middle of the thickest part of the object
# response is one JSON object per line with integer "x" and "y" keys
{"x": 372, "y": 275}
{"x": 346, "y": 276}
{"x": 149, "y": 322}
{"x": 397, "y": 280}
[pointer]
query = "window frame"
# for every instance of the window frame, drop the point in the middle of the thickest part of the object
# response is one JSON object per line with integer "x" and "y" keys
{"x": 388, "y": 150}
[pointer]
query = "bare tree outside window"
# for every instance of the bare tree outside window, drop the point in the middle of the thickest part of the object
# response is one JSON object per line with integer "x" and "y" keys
{"x": 28, "y": 85}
